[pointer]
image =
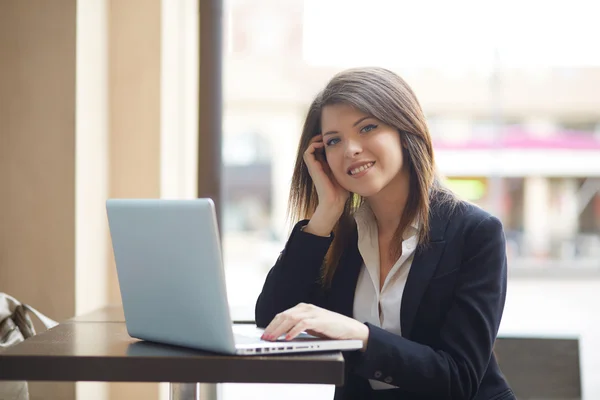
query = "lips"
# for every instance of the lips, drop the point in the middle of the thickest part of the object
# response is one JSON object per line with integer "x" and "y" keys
{"x": 360, "y": 167}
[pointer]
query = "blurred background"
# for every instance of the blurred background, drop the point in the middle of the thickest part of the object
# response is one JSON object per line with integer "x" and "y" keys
{"x": 111, "y": 98}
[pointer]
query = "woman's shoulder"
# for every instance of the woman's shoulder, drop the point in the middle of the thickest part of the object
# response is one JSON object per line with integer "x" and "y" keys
{"x": 466, "y": 216}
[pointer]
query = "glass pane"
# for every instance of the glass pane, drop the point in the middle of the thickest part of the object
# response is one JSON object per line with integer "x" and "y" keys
{"x": 502, "y": 137}
{"x": 512, "y": 105}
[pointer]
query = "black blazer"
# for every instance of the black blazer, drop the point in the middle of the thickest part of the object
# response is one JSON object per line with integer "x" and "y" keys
{"x": 451, "y": 309}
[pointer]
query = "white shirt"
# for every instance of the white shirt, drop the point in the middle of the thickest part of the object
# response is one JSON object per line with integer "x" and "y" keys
{"x": 381, "y": 306}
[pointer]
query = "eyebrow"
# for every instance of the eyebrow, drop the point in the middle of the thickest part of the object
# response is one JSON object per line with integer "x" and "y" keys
{"x": 356, "y": 123}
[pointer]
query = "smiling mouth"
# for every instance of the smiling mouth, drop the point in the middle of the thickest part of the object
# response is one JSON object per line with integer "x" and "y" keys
{"x": 361, "y": 168}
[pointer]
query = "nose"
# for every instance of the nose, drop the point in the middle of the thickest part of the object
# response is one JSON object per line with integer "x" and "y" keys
{"x": 353, "y": 148}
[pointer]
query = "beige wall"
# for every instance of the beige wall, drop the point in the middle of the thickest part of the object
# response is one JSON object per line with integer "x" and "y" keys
{"x": 37, "y": 164}
{"x": 37, "y": 169}
{"x": 134, "y": 82}
{"x": 79, "y": 122}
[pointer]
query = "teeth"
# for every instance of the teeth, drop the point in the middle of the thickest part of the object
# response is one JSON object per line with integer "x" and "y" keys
{"x": 361, "y": 168}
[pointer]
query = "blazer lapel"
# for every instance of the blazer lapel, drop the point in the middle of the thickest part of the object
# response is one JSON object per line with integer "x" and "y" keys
{"x": 423, "y": 266}
{"x": 341, "y": 295}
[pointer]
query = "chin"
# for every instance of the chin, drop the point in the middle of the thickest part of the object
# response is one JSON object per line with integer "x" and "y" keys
{"x": 366, "y": 192}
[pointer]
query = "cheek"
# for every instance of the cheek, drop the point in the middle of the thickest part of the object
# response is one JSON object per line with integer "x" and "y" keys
{"x": 388, "y": 150}
{"x": 335, "y": 162}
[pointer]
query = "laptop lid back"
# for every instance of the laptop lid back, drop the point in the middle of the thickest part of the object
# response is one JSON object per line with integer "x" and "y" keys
{"x": 169, "y": 266}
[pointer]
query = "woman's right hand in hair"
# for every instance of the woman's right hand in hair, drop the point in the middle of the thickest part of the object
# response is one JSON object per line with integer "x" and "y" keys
{"x": 332, "y": 197}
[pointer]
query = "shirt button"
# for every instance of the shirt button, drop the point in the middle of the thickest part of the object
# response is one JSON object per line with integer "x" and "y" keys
{"x": 388, "y": 379}
{"x": 377, "y": 374}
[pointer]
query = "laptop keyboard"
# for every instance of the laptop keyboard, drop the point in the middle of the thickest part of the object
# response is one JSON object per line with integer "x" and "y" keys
{"x": 245, "y": 339}
{"x": 248, "y": 334}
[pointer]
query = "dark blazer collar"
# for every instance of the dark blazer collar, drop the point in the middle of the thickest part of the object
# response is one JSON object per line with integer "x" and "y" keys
{"x": 424, "y": 265}
{"x": 439, "y": 216}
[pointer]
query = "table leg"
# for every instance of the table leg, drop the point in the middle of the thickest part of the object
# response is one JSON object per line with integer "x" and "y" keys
{"x": 193, "y": 391}
{"x": 208, "y": 391}
{"x": 184, "y": 391}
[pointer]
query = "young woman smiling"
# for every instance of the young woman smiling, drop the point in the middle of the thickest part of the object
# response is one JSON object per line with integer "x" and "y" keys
{"x": 384, "y": 253}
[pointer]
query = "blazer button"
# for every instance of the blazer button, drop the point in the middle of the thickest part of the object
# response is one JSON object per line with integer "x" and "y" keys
{"x": 388, "y": 379}
{"x": 377, "y": 374}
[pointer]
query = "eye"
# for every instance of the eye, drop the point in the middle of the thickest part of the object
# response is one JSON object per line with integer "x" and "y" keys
{"x": 332, "y": 141}
{"x": 368, "y": 128}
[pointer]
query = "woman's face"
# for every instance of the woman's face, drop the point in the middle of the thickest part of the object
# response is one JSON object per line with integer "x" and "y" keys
{"x": 364, "y": 154}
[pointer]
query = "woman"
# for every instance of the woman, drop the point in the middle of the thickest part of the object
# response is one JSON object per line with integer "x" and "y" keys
{"x": 385, "y": 254}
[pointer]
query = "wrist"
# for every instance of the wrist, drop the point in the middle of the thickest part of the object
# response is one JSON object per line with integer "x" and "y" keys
{"x": 316, "y": 229}
{"x": 322, "y": 223}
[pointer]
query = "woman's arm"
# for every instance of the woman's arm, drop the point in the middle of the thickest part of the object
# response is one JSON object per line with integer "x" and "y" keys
{"x": 456, "y": 367}
{"x": 295, "y": 277}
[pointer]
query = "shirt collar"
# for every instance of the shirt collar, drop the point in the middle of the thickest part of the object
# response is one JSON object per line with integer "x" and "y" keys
{"x": 366, "y": 224}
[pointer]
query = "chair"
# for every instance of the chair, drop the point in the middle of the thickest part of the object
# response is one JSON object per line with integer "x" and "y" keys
{"x": 540, "y": 368}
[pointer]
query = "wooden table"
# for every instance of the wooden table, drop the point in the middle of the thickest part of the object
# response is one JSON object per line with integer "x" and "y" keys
{"x": 96, "y": 347}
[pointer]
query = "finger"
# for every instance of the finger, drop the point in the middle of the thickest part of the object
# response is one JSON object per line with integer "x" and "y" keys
{"x": 313, "y": 148}
{"x": 317, "y": 141}
{"x": 285, "y": 325}
{"x": 282, "y": 329}
{"x": 279, "y": 318}
{"x": 316, "y": 138}
{"x": 291, "y": 317}
{"x": 301, "y": 326}
{"x": 314, "y": 155}
{"x": 274, "y": 323}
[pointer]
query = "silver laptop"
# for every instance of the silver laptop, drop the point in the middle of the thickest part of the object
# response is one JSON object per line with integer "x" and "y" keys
{"x": 172, "y": 282}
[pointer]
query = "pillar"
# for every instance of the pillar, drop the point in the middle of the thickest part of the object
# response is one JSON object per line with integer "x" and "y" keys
{"x": 536, "y": 216}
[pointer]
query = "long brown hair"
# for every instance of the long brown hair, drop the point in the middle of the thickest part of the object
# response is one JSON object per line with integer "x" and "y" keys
{"x": 385, "y": 96}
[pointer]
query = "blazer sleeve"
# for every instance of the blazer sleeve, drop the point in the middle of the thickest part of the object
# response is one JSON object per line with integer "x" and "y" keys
{"x": 295, "y": 276}
{"x": 455, "y": 368}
